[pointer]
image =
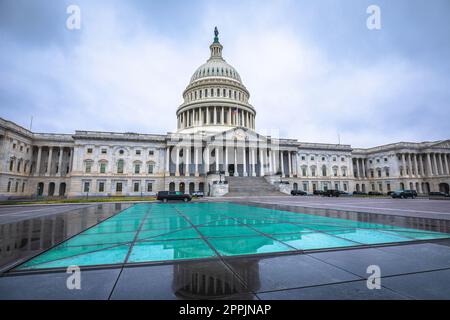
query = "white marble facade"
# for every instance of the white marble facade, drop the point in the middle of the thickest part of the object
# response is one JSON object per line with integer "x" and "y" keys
{"x": 215, "y": 138}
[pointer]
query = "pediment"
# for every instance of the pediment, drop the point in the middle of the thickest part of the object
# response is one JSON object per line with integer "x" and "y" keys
{"x": 441, "y": 145}
{"x": 239, "y": 134}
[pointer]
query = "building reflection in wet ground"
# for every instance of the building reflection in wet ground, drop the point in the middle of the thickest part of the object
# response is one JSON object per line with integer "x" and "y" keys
{"x": 23, "y": 239}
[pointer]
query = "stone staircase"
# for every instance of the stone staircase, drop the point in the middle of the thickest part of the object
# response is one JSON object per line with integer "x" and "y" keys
{"x": 251, "y": 186}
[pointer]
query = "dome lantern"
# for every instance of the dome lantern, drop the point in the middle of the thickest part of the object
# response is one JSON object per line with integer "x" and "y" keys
{"x": 216, "y": 47}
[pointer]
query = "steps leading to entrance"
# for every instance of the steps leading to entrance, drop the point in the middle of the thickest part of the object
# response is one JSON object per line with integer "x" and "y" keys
{"x": 251, "y": 186}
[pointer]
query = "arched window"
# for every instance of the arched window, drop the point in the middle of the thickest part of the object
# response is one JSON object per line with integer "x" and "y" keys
{"x": 120, "y": 166}
{"x": 324, "y": 171}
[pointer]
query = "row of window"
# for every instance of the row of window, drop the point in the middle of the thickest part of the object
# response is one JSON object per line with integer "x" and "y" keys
{"x": 216, "y": 93}
{"x": 120, "y": 167}
{"x": 101, "y": 187}
{"x": 16, "y": 186}
{"x": 19, "y": 146}
{"x": 138, "y": 152}
{"x": 312, "y": 158}
{"x": 324, "y": 171}
{"x": 216, "y": 72}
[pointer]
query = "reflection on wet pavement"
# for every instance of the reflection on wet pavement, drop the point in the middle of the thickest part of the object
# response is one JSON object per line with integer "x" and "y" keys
{"x": 23, "y": 239}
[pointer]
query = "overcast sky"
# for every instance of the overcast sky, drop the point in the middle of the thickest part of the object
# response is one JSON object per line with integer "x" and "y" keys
{"x": 312, "y": 67}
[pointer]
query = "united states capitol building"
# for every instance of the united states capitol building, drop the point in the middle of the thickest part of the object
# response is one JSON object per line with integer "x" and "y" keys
{"x": 216, "y": 149}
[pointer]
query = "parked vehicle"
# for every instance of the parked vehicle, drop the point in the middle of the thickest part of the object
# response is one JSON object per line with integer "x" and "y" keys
{"x": 390, "y": 193}
{"x": 343, "y": 193}
{"x": 438, "y": 194}
{"x": 375, "y": 193}
{"x": 198, "y": 194}
{"x": 403, "y": 194}
{"x": 414, "y": 192}
{"x": 298, "y": 193}
{"x": 359, "y": 193}
{"x": 164, "y": 196}
{"x": 317, "y": 192}
{"x": 331, "y": 193}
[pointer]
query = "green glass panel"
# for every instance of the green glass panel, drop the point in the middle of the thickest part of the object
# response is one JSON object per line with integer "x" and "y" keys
{"x": 145, "y": 251}
{"x": 227, "y": 231}
{"x": 112, "y": 228}
{"x": 278, "y": 228}
{"x": 115, "y": 255}
{"x": 104, "y": 238}
{"x": 368, "y": 236}
{"x": 61, "y": 252}
{"x": 313, "y": 240}
{"x": 419, "y": 235}
{"x": 247, "y": 245}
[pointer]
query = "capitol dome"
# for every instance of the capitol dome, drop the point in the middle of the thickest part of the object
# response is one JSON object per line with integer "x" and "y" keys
{"x": 215, "y": 100}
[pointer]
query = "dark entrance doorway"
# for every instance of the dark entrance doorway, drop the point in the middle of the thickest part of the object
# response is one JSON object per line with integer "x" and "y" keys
{"x": 40, "y": 189}
{"x": 444, "y": 187}
{"x": 62, "y": 189}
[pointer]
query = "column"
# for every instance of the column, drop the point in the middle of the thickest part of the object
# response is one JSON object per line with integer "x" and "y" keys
{"x": 404, "y": 164}
{"x": 282, "y": 163}
{"x": 38, "y": 163}
{"x": 447, "y": 172}
{"x": 226, "y": 161}
{"x": 206, "y": 160}
{"x": 215, "y": 115}
{"x": 290, "y": 163}
{"x": 409, "y": 165}
{"x": 217, "y": 158}
{"x": 357, "y": 168}
{"x": 363, "y": 168}
{"x": 274, "y": 162}
{"x": 177, "y": 162}
{"x": 253, "y": 167}
{"x": 60, "y": 171}
{"x": 296, "y": 163}
{"x": 167, "y": 160}
{"x": 416, "y": 168}
{"x": 270, "y": 161}
{"x": 222, "y": 115}
{"x": 429, "y": 167}
{"x": 229, "y": 116}
{"x": 441, "y": 167}
{"x": 49, "y": 163}
{"x": 196, "y": 161}
{"x": 187, "y": 156}
{"x": 201, "y": 118}
{"x": 207, "y": 115}
{"x": 235, "y": 162}
{"x": 261, "y": 159}
{"x": 245, "y": 161}
{"x": 71, "y": 159}
{"x": 436, "y": 172}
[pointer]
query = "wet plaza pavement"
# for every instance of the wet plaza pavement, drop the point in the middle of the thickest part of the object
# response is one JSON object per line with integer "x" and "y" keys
{"x": 417, "y": 270}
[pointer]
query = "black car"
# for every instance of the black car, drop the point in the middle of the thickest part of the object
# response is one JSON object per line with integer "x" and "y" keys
{"x": 359, "y": 193}
{"x": 164, "y": 196}
{"x": 375, "y": 193}
{"x": 438, "y": 194}
{"x": 298, "y": 193}
{"x": 390, "y": 193}
{"x": 404, "y": 194}
{"x": 414, "y": 192}
{"x": 317, "y": 192}
{"x": 331, "y": 193}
